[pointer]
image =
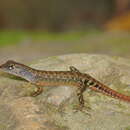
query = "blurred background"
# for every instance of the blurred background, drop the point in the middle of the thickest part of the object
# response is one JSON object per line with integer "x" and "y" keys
{"x": 34, "y": 29}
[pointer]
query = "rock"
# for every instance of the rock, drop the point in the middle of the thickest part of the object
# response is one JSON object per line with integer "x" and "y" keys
{"x": 54, "y": 108}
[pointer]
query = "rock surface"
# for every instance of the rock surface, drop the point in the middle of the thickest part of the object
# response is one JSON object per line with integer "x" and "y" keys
{"x": 54, "y": 108}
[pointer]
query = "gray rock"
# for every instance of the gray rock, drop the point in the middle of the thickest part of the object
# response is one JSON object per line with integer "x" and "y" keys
{"x": 54, "y": 108}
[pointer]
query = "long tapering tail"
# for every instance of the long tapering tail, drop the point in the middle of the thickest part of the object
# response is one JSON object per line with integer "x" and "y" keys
{"x": 110, "y": 92}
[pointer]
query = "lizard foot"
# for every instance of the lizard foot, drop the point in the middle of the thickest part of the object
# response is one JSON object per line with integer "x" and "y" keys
{"x": 83, "y": 109}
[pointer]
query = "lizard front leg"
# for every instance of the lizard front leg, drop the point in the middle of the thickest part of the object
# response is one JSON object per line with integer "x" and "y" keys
{"x": 38, "y": 91}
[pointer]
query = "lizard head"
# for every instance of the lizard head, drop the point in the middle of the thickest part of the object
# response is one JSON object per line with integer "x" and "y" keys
{"x": 11, "y": 67}
{"x": 17, "y": 69}
{"x": 8, "y": 67}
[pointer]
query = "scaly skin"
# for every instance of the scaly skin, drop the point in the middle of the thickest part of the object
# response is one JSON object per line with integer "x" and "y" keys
{"x": 55, "y": 78}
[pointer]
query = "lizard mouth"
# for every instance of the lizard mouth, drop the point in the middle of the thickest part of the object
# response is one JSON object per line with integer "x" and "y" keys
{"x": 1, "y": 66}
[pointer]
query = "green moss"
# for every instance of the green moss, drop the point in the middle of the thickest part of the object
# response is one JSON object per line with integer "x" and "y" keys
{"x": 3, "y": 127}
{"x": 13, "y": 37}
{"x": 128, "y": 128}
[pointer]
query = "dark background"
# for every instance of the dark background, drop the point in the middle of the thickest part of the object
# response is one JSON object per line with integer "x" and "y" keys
{"x": 59, "y": 15}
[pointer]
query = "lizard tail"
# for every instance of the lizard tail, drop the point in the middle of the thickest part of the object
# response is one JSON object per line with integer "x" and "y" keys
{"x": 110, "y": 92}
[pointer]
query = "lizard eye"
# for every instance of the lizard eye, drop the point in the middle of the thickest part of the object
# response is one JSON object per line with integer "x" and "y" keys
{"x": 11, "y": 67}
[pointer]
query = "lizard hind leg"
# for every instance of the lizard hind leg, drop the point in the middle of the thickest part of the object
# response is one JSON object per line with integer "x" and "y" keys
{"x": 80, "y": 95}
{"x": 73, "y": 69}
{"x": 81, "y": 107}
{"x": 81, "y": 88}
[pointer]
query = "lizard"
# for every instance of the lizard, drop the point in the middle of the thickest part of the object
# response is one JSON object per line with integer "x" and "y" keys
{"x": 73, "y": 77}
